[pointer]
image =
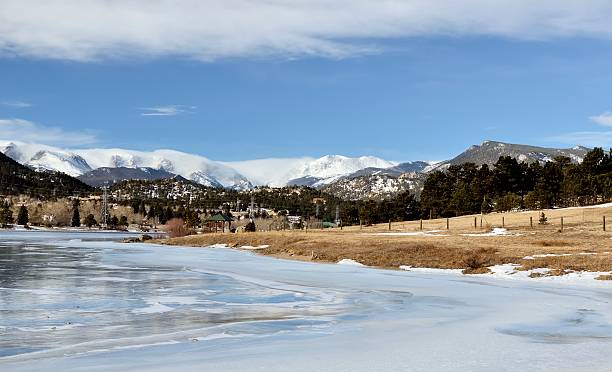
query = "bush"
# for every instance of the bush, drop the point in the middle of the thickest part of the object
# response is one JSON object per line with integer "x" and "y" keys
{"x": 23, "y": 217}
{"x": 507, "y": 202}
{"x": 250, "y": 227}
{"x": 176, "y": 228}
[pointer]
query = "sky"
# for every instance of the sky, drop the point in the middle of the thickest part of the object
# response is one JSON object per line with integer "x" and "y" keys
{"x": 237, "y": 79}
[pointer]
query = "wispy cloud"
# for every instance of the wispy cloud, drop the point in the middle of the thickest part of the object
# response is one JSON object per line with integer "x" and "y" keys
{"x": 27, "y": 131}
{"x": 602, "y": 119}
{"x": 170, "y": 110}
{"x": 210, "y": 29}
{"x": 16, "y": 104}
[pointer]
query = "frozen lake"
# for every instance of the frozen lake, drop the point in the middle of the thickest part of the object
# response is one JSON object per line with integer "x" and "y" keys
{"x": 85, "y": 301}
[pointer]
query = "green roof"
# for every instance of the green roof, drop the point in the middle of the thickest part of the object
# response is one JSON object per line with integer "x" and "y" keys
{"x": 220, "y": 217}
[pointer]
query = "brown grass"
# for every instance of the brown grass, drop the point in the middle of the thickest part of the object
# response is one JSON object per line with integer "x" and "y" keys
{"x": 456, "y": 251}
{"x": 604, "y": 277}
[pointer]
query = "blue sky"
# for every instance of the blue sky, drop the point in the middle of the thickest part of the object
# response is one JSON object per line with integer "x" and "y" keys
{"x": 404, "y": 97}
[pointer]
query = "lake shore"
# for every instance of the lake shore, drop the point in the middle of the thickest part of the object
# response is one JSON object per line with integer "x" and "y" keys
{"x": 580, "y": 245}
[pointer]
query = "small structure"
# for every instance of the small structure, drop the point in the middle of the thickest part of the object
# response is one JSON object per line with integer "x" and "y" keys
{"x": 295, "y": 222}
{"x": 218, "y": 220}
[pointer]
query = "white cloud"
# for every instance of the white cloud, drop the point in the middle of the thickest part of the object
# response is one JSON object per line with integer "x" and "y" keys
{"x": 587, "y": 138}
{"x": 603, "y": 119}
{"x": 27, "y": 131}
{"x": 16, "y": 104}
{"x": 85, "y": 30}
{"x": 170, "y": 110}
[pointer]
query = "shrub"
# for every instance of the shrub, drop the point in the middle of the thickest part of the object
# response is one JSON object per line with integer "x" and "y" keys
{"x": 250, "y": 227}
{"x": 176, "y": 228}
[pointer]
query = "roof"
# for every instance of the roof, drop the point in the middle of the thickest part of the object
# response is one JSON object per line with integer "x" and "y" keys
{"x": 220, "y": 217}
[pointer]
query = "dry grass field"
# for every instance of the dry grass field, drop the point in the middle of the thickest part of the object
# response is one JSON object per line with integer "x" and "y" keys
{"x": 581, "y": 245}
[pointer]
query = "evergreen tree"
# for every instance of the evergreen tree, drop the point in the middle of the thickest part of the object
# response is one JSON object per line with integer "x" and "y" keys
{"x": 6, "y": 214}
{"x": 123, "y": 221}
{"x": 76, "y": 218}
{"x": 23, "y": 217}
{"x": 90, "y": 221}
{"x": 114, "y": 222}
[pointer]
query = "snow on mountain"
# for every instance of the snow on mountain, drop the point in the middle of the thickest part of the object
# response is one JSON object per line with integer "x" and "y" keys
{"x": 79, "y": 161}
{"x": 375, "y": 186}
{"x": 71, "y": 164}
{"x": 275, "y": 172}
{"x": 193, "y": 167}
{"x": 47, "y": 158}
{"x": 305, "y": 171}
{"x": 489, "y": 152}
{"x": 337, "y": 165}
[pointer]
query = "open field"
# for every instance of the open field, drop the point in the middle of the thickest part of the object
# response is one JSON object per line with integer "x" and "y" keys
{"x": 582, "y": 245}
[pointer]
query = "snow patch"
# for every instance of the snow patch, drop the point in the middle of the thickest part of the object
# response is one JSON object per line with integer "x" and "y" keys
{"x": 349, "y": 262}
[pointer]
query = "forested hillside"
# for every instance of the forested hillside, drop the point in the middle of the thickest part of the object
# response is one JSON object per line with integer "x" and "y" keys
{"x": 17, "y": 179}
{"x": 509, "y": 184}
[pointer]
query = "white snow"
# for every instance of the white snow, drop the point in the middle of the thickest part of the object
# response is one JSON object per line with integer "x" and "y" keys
{"x": 497, "y": 231}
{"x": 238, "y": 174}
{"x": 78, "y": 161}
{"x": 250, "y": 247}
{"x": 279, "y": 171}
{"x": 349, "y": 262}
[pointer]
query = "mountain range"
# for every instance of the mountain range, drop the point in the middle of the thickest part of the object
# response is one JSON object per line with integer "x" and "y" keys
{"x": 351, "y": 178}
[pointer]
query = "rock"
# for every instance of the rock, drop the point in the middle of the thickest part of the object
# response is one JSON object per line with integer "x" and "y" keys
{"x": 145, "y": 237}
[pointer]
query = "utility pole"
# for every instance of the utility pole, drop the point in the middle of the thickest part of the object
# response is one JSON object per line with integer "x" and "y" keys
{"x": 337, "y": 214}
{"x": 104, "y": 212}
{"x": 252, "y": 211}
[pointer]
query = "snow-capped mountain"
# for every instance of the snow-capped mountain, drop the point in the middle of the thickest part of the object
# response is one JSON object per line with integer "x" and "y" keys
{"x": 42, "y": 157}
{"x": 305, "y": 171}
{"x": 327, "y": 169}
{"x": 376, "y": 186}
{"x": 80, "y": 161}
{"x": 353, "y": 178}
{"x": 489, "y": 152}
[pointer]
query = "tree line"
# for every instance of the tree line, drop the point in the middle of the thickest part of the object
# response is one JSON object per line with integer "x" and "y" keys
{"x": 510, "y": 184}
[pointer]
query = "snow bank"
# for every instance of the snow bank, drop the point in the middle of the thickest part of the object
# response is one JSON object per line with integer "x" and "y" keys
{"x": 250, "y": 247}
{"x": 349, "y": 262}
{"x": 498, "y": 231}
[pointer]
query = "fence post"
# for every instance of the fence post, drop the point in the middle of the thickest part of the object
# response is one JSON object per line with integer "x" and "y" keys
{"x": 531, "y": 221}
{"x": 389, "y": 225}
{"x": 561, "y": 223}
{"x": 475, "y": 222}
{"x": 421, "y": 224}
{"x": 503, "y": 221}
{"x": 447, "y": 224}
{"x": 604, "y": 223}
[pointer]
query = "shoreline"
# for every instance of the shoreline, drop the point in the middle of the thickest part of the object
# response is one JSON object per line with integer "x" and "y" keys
{"x": 540, "y": 254}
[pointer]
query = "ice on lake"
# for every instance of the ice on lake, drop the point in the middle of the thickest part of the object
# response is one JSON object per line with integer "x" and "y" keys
{"x": 85, "y": 301}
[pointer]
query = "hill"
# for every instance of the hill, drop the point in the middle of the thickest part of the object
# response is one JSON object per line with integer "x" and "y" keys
{"x": 106, "y": 175}
{"x": 17, "y": 179}
{"x": 489, "y": 152}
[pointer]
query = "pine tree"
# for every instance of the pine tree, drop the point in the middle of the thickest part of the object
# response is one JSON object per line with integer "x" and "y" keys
{"x": 6, "y": 214}
{"x": 90, "y": 221}
{"x": 123, "y": 221}
{"x": 114, "y": 221}
{"x": 76, "y": 217}
{"x": 23, "y": 217}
